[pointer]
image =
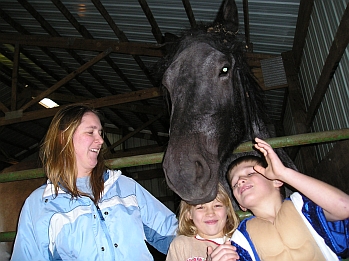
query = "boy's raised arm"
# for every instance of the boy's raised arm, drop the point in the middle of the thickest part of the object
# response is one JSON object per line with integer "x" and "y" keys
{"x": 333, "y": 201}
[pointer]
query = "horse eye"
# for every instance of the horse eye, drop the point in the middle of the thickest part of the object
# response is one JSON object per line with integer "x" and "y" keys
{"x": 224, "y": 71}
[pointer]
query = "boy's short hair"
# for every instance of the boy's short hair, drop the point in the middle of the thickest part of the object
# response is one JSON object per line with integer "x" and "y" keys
{"x": 248, "y": 158}
{"x": 251, "y": 158}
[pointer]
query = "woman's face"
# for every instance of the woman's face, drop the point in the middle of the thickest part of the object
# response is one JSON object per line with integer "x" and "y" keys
{"x": 87, "y": 142}
{"x": 209, "y": 218}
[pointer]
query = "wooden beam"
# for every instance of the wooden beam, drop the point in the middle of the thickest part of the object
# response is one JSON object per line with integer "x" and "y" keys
{"x": 75, "y": 43}
{"x": 303, "y": 20}
{"x": 298, "y": 111}
{"x": 79, "y": 27}
{"x": 103, "y": 11}
{"x": 15, "y": 77}
{"x": 247, "y": 25}
{"x": 190, "y": 14}
{"x": 129, "y": 135}
{"x": 3, "y": 107}
{"x": 67, "y": 79}
{"x": 155, "y": 29}
{"x": 146, "y": 109}
{"x": 86, "y": 34}
{"x": 97, "y": 103}
{"x": 339, "y": 45}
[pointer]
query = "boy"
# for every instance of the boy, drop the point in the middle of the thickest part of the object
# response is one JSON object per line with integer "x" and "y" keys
{"x": 311, "y": 225}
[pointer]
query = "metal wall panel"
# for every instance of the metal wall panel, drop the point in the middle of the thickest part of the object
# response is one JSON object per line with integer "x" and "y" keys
{"x": 334, "y": 110}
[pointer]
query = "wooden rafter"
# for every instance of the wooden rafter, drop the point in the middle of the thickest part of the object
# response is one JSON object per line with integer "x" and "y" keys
{"x": 67, "y": 79}
{"x": 97, "y": 103}
{"x": 303, "y": 20}
{"x": 123, "y": 38}
{"x": 247, "y": 26}
{"x": 189, "y": 12}
{"x": 15, "y": 77}
{"x": 154, "y": 26}
{"x": 75, "y": 43}
{"x": 110, "y": 149}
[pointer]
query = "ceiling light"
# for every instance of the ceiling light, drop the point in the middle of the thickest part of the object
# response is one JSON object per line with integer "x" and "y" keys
{"x": 48, "y": 103}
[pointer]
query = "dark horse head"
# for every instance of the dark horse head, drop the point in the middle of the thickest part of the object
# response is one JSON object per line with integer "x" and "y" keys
{"x": 216, "y": 105}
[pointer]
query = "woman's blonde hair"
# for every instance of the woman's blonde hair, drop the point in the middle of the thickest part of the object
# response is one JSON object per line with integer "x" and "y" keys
{"x": 57, "y": 152}
{"x": 186, "y": 225}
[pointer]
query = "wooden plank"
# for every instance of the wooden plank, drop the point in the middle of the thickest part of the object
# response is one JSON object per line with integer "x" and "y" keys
{"x": 15, "y": 69}
{"x": 154, "y": 26}
{"x": 303, "y": 20}
{"x": 247, "y": 25}
{"x": 189, "y": 12}
{"x": 3, "y": 107}
{"x": 297, "y": 106}
{"x": 66, "y": 79}
{"x": 97, "y": 103}
{"x": 146, "y": 109}
{"x": 75, "y": 43}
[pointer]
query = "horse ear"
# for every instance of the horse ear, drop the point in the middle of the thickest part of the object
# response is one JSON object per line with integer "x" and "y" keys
{"x": 169, "y": 37}
{"x": 170, "y": 41}
{"x": 228, "y": 15}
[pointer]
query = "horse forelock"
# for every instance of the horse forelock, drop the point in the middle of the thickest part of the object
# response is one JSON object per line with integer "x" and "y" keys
{"x": 228, "y": 44}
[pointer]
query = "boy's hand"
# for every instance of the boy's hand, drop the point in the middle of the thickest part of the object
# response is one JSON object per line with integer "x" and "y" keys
{"x": 275, "y": 168}
{"x": 224, "y": 252}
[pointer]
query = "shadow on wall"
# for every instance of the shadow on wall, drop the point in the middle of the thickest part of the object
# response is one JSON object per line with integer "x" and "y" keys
{"x": 5, "y": 249}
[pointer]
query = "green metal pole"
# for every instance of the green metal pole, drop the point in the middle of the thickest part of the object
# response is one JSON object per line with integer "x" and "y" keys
{"x": 278, "y": 142}
{"x": 7, "y": 236}
{"x": 300, "y": 139}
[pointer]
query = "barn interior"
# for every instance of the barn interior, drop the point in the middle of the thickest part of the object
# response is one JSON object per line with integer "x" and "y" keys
{"x": 102, "y": 51}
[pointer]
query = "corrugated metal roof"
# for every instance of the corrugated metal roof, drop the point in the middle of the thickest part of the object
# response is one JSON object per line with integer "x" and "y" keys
{"x": 272, "y": 27}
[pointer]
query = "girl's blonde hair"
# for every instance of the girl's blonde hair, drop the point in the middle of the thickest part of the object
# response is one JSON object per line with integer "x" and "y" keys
{"x": 57, "y": 152}
{"x": 186, "y": 225}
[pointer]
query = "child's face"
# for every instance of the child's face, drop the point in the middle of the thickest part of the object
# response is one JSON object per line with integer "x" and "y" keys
{"x": 249, "y": 187}
{"x": 209, "y": 218}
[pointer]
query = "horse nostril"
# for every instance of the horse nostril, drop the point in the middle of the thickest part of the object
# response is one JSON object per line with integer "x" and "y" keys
{"x": 199, "y": 169}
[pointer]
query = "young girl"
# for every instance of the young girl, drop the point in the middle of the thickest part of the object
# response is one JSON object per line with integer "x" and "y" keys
{"x": 203, "y": 228}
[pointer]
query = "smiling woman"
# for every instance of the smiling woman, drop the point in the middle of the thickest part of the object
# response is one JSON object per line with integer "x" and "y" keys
{"x": 85, "y": 211}
{"x": 88, "y": 142}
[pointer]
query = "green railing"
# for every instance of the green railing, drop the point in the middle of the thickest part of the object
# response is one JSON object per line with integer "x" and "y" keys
{"x": 278, "y": 142}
